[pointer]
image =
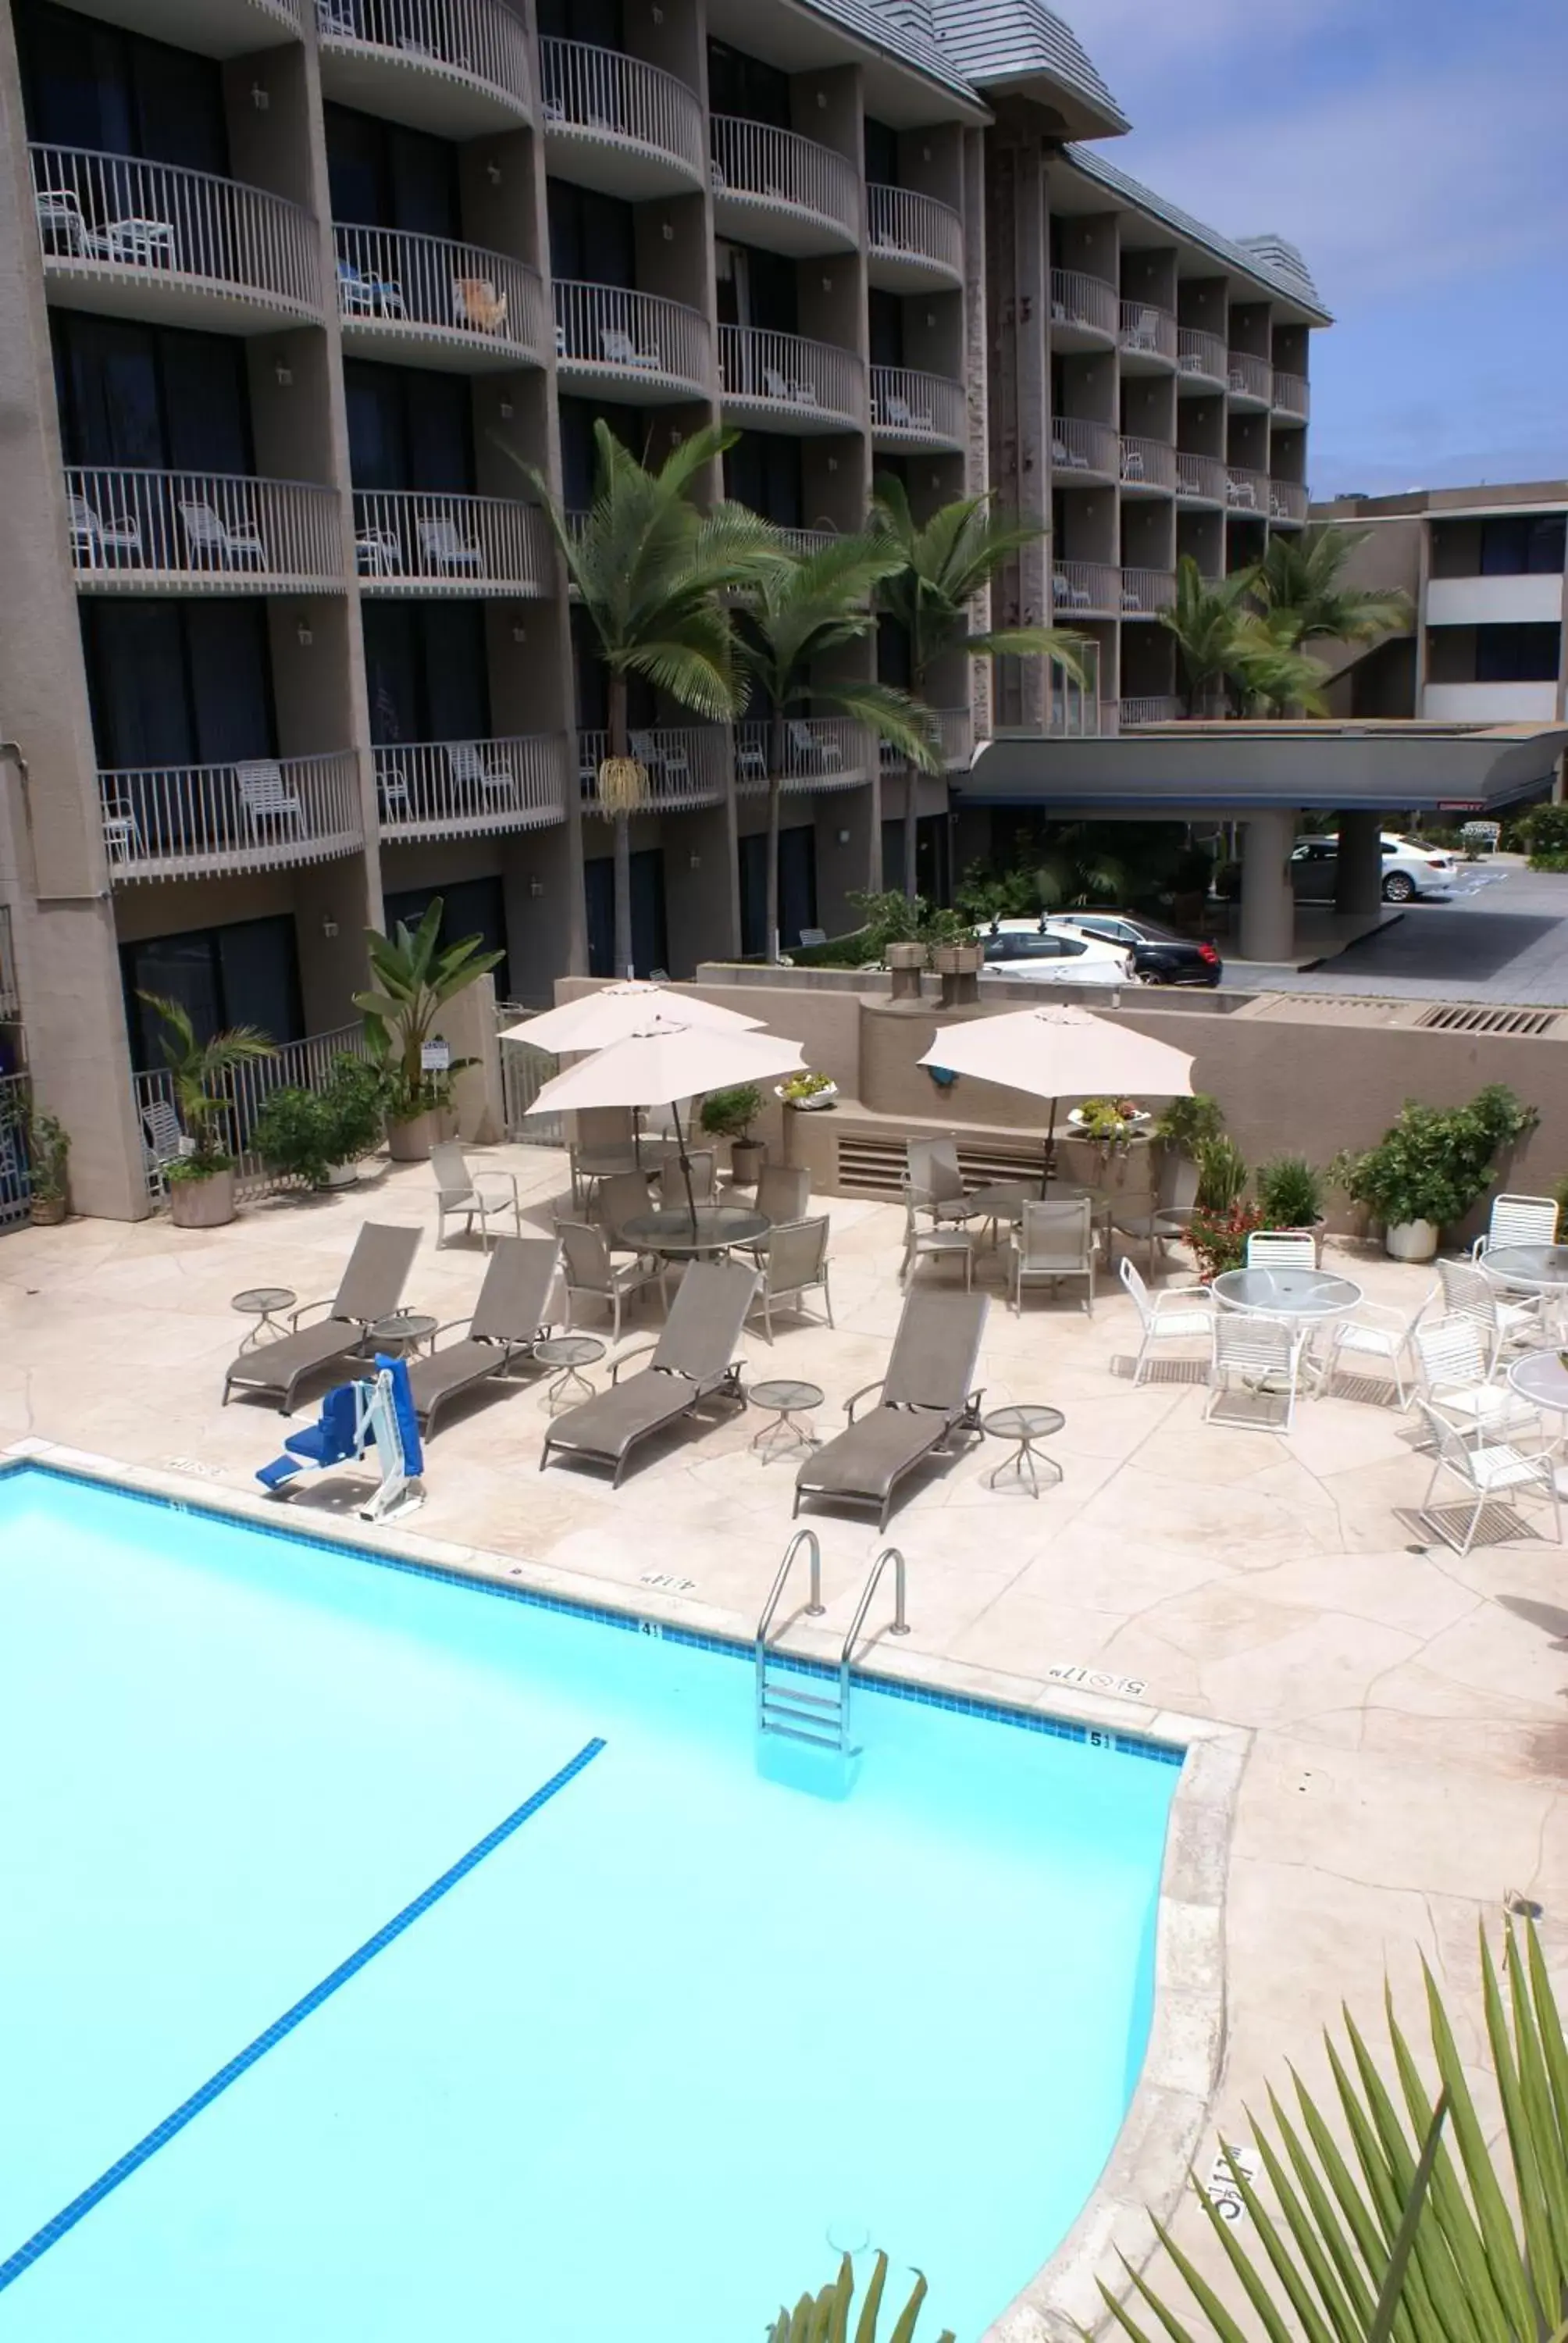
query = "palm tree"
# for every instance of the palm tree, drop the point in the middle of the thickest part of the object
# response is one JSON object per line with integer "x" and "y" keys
{"x": 945, "y": 564}
{"x": 197, "y": 1070}
{"x": 414, "y": 975}
{"x": 799, "y": 608}
{"x": 1271, "y": 673}
{"x": 1204, "y": 618}
{"x": 651, "y": 567}
{"x": 1301, "y": 577}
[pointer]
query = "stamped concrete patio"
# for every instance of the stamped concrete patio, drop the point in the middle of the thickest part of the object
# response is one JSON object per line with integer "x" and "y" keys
{"x": 1391, "y": 1718}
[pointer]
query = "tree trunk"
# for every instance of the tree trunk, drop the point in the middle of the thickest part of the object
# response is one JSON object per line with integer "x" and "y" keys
{"x": 774, "y": 792}
{"x": 619, "y": 746}
{"x": 911, "y": 799}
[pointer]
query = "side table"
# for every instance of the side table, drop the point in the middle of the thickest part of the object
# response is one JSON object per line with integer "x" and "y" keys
{"x": 1026, "y": 1423}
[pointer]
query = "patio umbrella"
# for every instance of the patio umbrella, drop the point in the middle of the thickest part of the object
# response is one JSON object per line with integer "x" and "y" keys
{"x": 597, "y": 1019}
{"x": 666, "y": 1062}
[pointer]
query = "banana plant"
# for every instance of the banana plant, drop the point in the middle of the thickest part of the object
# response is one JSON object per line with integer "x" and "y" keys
{"x": 825, "y": 2318}
{"x": 414, "y": 976}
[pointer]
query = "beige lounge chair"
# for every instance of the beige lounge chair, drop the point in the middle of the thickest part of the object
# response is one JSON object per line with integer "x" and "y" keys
{"x": 927, "y": 1394}
{"x": 372, "y": 1287}
{"x": 507, "y": 1319}
{"x": 695, "y": 1359}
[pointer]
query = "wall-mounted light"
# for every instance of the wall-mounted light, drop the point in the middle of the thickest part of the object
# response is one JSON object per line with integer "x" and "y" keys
{"x": 260, "y": 98}
{"x": 843, "y": 838}
{"x": 657, "y": 15}
{"x": 822, "y": 101}
{"x": 285, "y": 375}
{"x": 328, "y": 927}
{"x": 536, "y": 887}
{"x": 832, "y": 463}
{"x": 302, "y": 630}
{"x": 505, "y": 410}
{"x": 694, "y": 862}
{"x": 925, "y": 153}
{"x": 827, "y": 285}
{"x": 493, "y": 173}
{"x": 675, "y": 437}
{"x": 669, "y": 233}
{"x": 519, "y": 634}
{"x": 930, "y": 317}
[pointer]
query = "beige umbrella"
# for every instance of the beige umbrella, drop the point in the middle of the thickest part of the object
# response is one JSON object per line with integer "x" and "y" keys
{"x": 597, "y": 1019}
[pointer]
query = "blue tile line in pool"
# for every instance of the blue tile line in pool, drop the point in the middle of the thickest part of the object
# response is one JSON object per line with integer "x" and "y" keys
{"x": 39, "y": 2243}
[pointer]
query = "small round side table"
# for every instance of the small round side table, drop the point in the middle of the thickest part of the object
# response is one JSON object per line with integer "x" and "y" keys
{"x": 571, "y": 1353}
{"x": 1025, "y": 1423}
{"x": 263, "y": 1302}
{"x": 786, "y": 1435}
{"x": 403, "y": 1331}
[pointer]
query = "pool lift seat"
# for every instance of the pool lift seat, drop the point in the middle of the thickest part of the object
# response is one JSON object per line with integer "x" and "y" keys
{"x": 375, "y": 1413}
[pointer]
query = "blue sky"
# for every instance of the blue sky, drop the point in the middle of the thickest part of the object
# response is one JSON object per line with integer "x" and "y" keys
{"x": 1415, "y": 150}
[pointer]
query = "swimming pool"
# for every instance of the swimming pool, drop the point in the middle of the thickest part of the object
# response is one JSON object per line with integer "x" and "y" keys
{"x": 385, "y": 1958}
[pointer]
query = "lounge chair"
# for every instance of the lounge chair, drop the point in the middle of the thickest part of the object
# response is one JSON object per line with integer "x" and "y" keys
{"x": 508, "y": 1318}
{"x": 372, "y": 1287}
{"x": 927, "y": 1395}
{"x": 266, "y": 797}
{"x": 476, "y": 305}
{"x": 620, "y": 350}
{"x": 212, "y": 539}
{"x": 694, "y": 1358}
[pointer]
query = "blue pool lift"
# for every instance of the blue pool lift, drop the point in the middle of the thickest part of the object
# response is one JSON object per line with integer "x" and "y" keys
{"x": 377, "y": 1412}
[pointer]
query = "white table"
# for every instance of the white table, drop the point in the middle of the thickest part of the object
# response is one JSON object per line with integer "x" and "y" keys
{"x": 1541, "y": 1377}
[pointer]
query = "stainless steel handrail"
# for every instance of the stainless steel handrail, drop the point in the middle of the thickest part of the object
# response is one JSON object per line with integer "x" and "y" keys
{"x": 814, "y": 1609}
{"x": 900, "y": 1626}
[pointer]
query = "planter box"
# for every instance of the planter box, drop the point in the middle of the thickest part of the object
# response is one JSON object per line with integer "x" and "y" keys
{"x": 202, "y": 1203}
{"x": 47, "y": 1212}
{"x": 1411, "y": 1240}
{"x": 747, "y": 1157}
{"x": 411, "y": 1142}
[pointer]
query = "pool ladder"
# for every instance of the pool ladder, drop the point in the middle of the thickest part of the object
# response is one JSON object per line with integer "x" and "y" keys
{"x": 784, "y": 1706}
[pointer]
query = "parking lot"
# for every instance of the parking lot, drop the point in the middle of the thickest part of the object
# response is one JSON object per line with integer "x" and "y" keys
{"x": 1502, "y": 937}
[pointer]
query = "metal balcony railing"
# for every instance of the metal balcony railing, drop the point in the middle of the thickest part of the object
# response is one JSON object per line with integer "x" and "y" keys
{"x": 111, "y": 216}
{"x": 1287, "y": 500}
{"x": 445, "y": 788}
{"x": 923, "y": 410}
{"x": 417, "y": 541}
{"x": 809, "y": 540}
{"x": 140, "y": 530}
{"x": 305, "y": 1065}
{"x": 481, "y": 42}
{"x": 819, "y": 752}
{"x": 1085, "y": 588}
{"x": 1147, "y": 463}
{"x": 425, "y": 287}
{"x": 1200, "y": 353}
{"x": 10, "y": 990}
{"x": 176, "y": 821}
{"x": 1084, "y": 301}
{"x": 1145, "y": 330}
{"x": 608, "y": 331}
{"x": 788, "y": 375}
{"x": 907, "y": 226}
{"x": 1246, "y": 491}
{"x": 1291, "y": 396}
{"x": 1248, "y": 376}
{"x": 955, "y": 740}
{"x": 1073, "y": 713}
{"x": 1199, "y": 477}
{"x": 1151, "y": 708}
{"x": 1146, "y": 590}
{"x": 686, "y": 764}
{"x": 753, "y": 164}
{"x": 605, "y": 94}
{"x": 1079, "y": 446}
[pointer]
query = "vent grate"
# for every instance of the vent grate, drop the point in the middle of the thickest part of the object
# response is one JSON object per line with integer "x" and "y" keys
{"x": 876, "y": 1167}
{"x": 1524, "y": 1024}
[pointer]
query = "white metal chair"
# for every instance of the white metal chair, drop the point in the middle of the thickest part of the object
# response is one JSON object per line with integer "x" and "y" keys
{"x": 620, "y": 350}
{"x": 163, "y": 1141}
{"x": 794, "y": 1265}
{"x": 1176, "y": 1313}
{"x": 473, "y": 771}
{"x": 935, "y": 1243}
{"x": 212, "y": 539}
{"x": 820, "y": 750}
{"x": 1261, "y": 1352}
{"x": 1282, "y": 1248}
{"x": 1055, "y": 1241}
{"x": 95, "y": 540}
{"x": 1455, "y": 1370}
{"x": 1517, "y": 1220}
{"x": 1469, "y": 1292}
{"x": 587, "y": 1271}
{"x": 1484, "y": 1474}
{"x": 486, "y": 1194}
{"x": 122, "y": 832}
{"x": 1372, "y": 1331}
{"x": 443, "y": 548}
{"x": 378, "y": 552}
{"x": 265, "y": 798}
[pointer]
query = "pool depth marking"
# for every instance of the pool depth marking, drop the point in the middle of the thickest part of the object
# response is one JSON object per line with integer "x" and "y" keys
{"x": 39, "y": 2243}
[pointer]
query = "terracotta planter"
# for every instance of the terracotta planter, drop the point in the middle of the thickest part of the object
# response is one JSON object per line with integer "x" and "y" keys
{"x": 202, "y": 1203}
{"x": 47, "y": 1212}
{"x": 411, "y": 1142}
{"x": 747, "y": 1157}
{"x": 1412, "y": 1239}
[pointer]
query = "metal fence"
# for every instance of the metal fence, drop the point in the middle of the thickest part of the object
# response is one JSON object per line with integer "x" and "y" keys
{"x": 304, "y": 1065}
{"x": 15, "y": 1184}
{"x": 524, "y": 1074}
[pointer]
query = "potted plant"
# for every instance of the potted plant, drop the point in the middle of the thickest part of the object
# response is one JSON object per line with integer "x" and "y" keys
{"x": 1184, "y": 1124}
{"x": 1109, "y": 1122}
{"x": 729, "y": 1114}
{"x": 201, "y": 1177}
{"x": 319, "y": 1136}
{"x": 1432, "y": 1165}
{"x": 806, "y": 1092}
{"x": 1218, "y": 1235}
{"x": 414, "y": 976}
{"x": 47, "y": 1148}
{"x": 1290, "y": 1192}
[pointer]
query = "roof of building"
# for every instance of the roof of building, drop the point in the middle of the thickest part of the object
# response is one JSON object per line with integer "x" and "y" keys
{"x": 904, "y": 30}
{"x": 1486, "y": 497}
{"x": 1013, "y": 41}
{"x": 1275, "y": 264}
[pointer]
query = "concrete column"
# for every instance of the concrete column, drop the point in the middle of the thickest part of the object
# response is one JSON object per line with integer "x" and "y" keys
{"x": 1268, "y": 904}
{"x": 1358, "y": 879}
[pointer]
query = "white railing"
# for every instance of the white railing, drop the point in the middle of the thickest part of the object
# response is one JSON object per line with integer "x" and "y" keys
{"x": 1200, "y": 352}
{"x": 609, "y": 95}
{"x": 304, "y": 1065}
{"x": 173, "y": 821}
{"x": 1151, "y": 708}
{"x": 752, "y": 162}
{"x": 10, "y": 990}
{"x": 1143, "y": 590}
{"x": 439, "y": 789}
{"x": 1287, "y": 500}
{"x": 409, "y": 540}
{"x": 1083, "y": 586}
{"x": 926, "y": 408}
{"x": 15, "y": 1175}
{"x": 1148, "y": 463}
{"x": 140, "y": 529}
{"x": 525, "y": 1071}
{"x": 1146, "y": 330}
{"x": 401, "y": 284}
{"x": 1291, "y": 396}
{"x": 955, "y": 732}
{"x": 607, "y": 329}
{"x": 112, "y": 215}
{"x": 686, "y": 764}
{"x": 1245, "y": 490}
{"x": 819, "y": 752}
{"x": 809, "y": 540}
{"x": 469, "y": 40}
{"x": 1202, "y": 476}
{"x": 905, "y": 226}
{"x": 1249, "y": 378}
{"x": 1078, "y": 299}
{"x": 785, "y": 373}
{"x": 1078, "y": 445}
{"x": 1072, "y": 712}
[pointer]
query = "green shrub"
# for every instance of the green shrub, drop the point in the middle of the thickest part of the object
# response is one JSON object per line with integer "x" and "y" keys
{"x": 1290, "y": 1192}
{"x": 1222, "y": 1174}
{"x": 729, "y": 1114}
{"x": 308, "y": 1133}
{"x": 1186, "y": 1122}
{"x": 1543, "y": 834}
{"x": 1435, "y": 1163}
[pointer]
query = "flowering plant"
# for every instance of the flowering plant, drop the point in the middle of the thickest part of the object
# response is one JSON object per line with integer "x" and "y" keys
{"x": 1218, "y": 1236}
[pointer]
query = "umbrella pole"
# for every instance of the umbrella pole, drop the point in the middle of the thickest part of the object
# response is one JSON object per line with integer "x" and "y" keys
{"x": 685, "y": 1165}
{"x": 1049, "y": 1152}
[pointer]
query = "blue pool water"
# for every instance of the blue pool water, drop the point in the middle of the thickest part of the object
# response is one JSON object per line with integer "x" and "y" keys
{"x": 627, "y": 2073}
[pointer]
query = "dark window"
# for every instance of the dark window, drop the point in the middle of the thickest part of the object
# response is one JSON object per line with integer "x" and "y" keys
{"x": 409, "y": 429}
{"x": 881, "y": 154}
{"x": 244, "y": 974}
{"x": 86, "y": 84}
{"x": 426, "y": 671}
{"x": 797, "y": 886}
{"x": 933, "y": 876}
{"x": 886, "y": 319}
{"x": 589, "y": 683}
{"x": 592, "y": 239}
{"x": 150, "y": 396}
{"x": 740, "y": 85}
{"x": 579, "y": 455}
{"x": 763, "y": 470}
{"x": 1516, "y": 545}
{"x": 383, "y": 176}
{"x": 177, "y": 683}
{"x": 649, "y": 931}
{"x": 892, "y": 652}
{"x": 598, "y": 22}
{"x": 1518, "y": 654}
{"x": 473, "y": 907}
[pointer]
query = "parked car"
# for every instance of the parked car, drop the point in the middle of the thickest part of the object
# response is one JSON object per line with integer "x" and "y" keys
{"x": 1160, "y": 956}
{"x": 1410, "y": 867}
{"x": 1028, "y": 949}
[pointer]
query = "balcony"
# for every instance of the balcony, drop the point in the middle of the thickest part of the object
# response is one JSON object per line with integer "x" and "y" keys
{"x": 146, "y": 240}
{"x": 774, "y": 189}
{"x": 455, "y": 789}
{"x": 809, "y": 540}
{"x": 820, "y": 752}
{"x": 1073, "y": 713}
{"x": 1150, "y": 707}
{"x": 1246, "y": 491}
{"x": 686, "y": 765}
{"x": 448, "y": 304}
{"x": 457, "y": 68}
{"x": 917, "y": 245}
{"x": 1201, "y": 479}
{"x": 189, "y": 822}
{"x": 1489, "y": 703}
{"x": 144, "y": 532}
{"x": 1292, "y": 399}
{"x": 634, "y": 347}
{"x": 1287, "y": 503}
{"x": 214, "y": 28}
{"x": 1249, "y": 380}
{"x": 1145, "y": 591}
{"x": 613, "y": 123}
{"x": 1082, "y": 450}
{"x": 782, "y": 382}
{"x": 1085, "y": 311}
{"x": 1501, "y": 599}
{"x": 1202, "y": 359}
{"x": 413, "y": 541}
{"x": 1148, "y": 466}
{"x": 1146, "y": 337}
{"x": 955, "y": 742}
{"x": 910, "y": 409}
{"x": 1085, "y": 589}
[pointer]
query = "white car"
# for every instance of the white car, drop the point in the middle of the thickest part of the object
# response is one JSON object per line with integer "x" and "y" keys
{"x": 1410, "y": 867}
{"x": 1033, "y": 952}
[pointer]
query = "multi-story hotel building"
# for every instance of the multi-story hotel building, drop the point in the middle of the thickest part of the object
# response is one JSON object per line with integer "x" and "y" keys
{"x": 296, "y": 294}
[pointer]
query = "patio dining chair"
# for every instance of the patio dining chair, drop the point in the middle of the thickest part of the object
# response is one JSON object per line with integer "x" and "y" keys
{"x": 938, "y": 1243}
{"x": 795, "y": 1265}
{"x": 378, "y": 552}
{"x": 1454, "y": 1366}
{"x": 1282, "y": 1248}
{"x": 479, "y": 776}
{"x": 163, "y": 1141}
{"x": 1517, "y": 1220}
{"x": 1264, "y": 1355}
{"x": 814, "y": 748}
{"x": 1056, "y": 1240}
{"x": 98, "y": 541}
{"x": 934, "y": 1180}
{"x": 486, "y": 1194}
{"x": 1372, "y": 1331}
{"x": 265, "y": 797}
{"x": 591, "y": 1275}
{"x": 1469, "y": 1292}
{"x": 617, "y": 1200}
{"x": 1176, "y": 1313}
{"x": 212, "y": 539}
{"x": 362, "y": 294}
{"x": 443, "y": 548}
{"x": 1485, "y": 1474}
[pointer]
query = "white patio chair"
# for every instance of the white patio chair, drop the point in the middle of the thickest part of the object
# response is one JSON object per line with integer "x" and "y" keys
{"x": 620, "y": 350}
{"x": 163, "y": 1141}
{"x": 443, "y": 547}
{"x": 1066, "y": 459}
{"x": 122, "y": 833}
{"x": 476, "y": 305}
{"x": 1282, "y": 1248}
{"x": 378, "y": 552}
{"x": 94, "y": 538}
{"x": 898, "y": 416}
{"x": 1517, "y": 1220}
{"x": 1455, "y": 1379}
{"x": 1484, "y": 1474}
{"x": 472, "y": 771}
{"x": 211, "y": 537}
{"x": 819, "y": 749}
{"x": 1132, "y": 464}
{"x": 1055, "y": 1241}
{"x": 1074, "y": 597}
{"x": 393, "y": 793}
{"x": 265, "y": 797}
{"x": 1262, "y": 1354}
{"x": 1372, "y": 1331}
{"x": 935, "y": 1243}
{"x": 1469, "y": 1292}
{"x": 1145, "y": 334}
{"x": 750, "y": 762}
{"x": 338, "y": 16}
{"x": 1176, "y": 1313}
{"x": 62, "y": 226}
{"x": 483, "y": 1195}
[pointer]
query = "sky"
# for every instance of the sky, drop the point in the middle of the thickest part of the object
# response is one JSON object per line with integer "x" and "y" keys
{"x": 1417, "y": 152}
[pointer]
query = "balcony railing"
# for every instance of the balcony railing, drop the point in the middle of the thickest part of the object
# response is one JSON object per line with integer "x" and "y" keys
{"x": 473, "y": 46}
{"x": 1151, "y": 708}
{"x": 1072, "y": 712}
{"x": 416, "y": 541}
{"x": 10, "y": 990}
{"x": 1287, "y": 500}
{"x": 425, "y": 289}
{"x": 1246, "y": 491}
{"x": 1200, "y": 354}
{"x": 809, "y": 540}
{"x": 791, "y": 379}
{"x": 913, "y": 238}
{"x": 1077, "y": 446}
{"x": 757, "y": 169}
{"x": 819, "y": 752}
{"x": 686, "y": 764}
{"x": 917, "y": 410}
{"x": 140, "y": 531}
{"x": 307, "y": 1065}
{"x": 1291, "y": 396}
{"x": 1249, "y": 378}
{"x": 955, "y": 740}
{"x": 631, "y": 341}
{"x": 1146, "y": 590}
{"x": 1087, "y": 304}
{"x": 1085, "y": 588}
{"x": 444, "y": 789}
{"x": 179, "y": 821}
{"x": 1147, "y": 331}
{"x": 188, "y": 233}
{"x": 1201, "y": 478}
{"x": 606, "y": 96}
{"x": 1148, "y": 464}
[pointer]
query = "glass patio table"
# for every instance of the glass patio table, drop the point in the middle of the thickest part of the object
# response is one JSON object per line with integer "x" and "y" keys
{"x": 676, "y": 1234}
{"x": 1540, "y": 1269}
{"x": 1308, "y": 1295}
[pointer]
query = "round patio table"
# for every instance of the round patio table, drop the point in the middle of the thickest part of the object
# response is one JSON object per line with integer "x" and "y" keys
{"x": 1026, "y": 1422}
{"x": 676, "y": 1234}
{"x": 1308, "y": 1295}
{"x": 788, "y": 1400}
{"x": 265, "y": 1304}
{"x": 1542, "y": 1378}
{"x": 571, "y": 1353}
{"x": 1540, "y": 1269}
{"x": 408, "y": 1328}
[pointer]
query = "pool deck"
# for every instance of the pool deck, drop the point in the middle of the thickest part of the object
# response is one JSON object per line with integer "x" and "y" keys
{"x": 1393, "y": 1721}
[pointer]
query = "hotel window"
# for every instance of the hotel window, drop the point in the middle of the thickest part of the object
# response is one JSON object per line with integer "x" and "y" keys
{"x": 592, "y": 240}
{"x": 744, "y": 86}
{"x": 427, "y": 672}
{"x": 177, "y": 683}
{"x": 408, "y": 429}
{"x": 88, "y": 84}
{"x": 246, "y": 973}
{"x": 383, "y": 176}
{"x": 152, "y": 397}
